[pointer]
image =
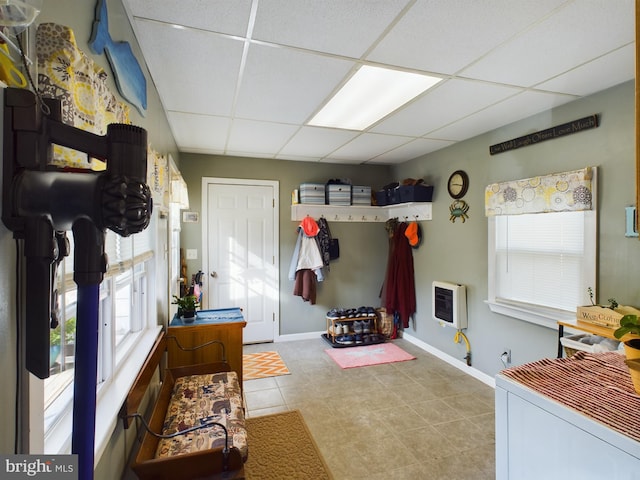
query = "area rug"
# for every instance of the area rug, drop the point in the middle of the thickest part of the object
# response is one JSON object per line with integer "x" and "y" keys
{"x": 368, "y": 355}
{"x": 281, "y": 447}
{"x": 262, "y": 365}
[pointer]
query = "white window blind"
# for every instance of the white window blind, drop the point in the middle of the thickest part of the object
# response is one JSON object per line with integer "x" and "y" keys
{"x": 540, "y": 259}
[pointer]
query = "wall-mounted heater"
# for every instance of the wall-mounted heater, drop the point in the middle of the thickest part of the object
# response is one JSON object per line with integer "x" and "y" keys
{"x": 449, "y": 304}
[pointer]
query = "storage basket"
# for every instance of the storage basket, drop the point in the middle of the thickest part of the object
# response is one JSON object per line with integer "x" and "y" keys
{"x": 385, "y": 322}
{"x": 360, "y": 195}
{"x": 339, "y": 195}
{"x": 604, "y": 316}
{"x": 415, "y": 193}
{"x": 382, "y": 198}
{"x": 312, "y": 193}
{"x": 573, "y": 345}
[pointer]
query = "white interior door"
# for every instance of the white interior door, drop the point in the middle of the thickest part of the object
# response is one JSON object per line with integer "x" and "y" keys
{"x": 240, "y": 252}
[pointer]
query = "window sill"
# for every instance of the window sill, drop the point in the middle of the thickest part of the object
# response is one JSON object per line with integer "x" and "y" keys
{"x": 109, "y": 400}
{"x": 545, "y": 317}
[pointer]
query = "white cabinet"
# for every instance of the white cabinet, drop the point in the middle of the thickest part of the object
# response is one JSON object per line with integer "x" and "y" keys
{"x": 415, "y": 211}
{"x": 539, "y": 438}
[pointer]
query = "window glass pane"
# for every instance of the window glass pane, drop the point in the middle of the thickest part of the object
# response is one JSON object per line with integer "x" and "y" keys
{"x": 59, "y": 385}
{"x": 123, "y": 306}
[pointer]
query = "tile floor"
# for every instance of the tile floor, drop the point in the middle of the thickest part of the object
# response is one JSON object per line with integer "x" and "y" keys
{"x": 419, "y": 420}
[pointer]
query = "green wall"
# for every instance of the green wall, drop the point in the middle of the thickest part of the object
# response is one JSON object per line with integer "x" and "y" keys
{"x": 354, "y": 279}
{"x": 457, "y": 252}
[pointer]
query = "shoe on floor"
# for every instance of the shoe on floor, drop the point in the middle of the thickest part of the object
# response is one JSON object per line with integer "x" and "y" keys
{"x": 345, "y": 340}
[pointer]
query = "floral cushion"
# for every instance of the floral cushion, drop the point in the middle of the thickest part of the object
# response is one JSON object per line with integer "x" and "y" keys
{"x": 200, "y": 399}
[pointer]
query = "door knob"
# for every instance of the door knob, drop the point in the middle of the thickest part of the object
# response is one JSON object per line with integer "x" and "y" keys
{"x": 214, "y": 274}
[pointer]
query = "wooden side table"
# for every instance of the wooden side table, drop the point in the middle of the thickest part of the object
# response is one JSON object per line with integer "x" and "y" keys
{"x": 224, "y": 325}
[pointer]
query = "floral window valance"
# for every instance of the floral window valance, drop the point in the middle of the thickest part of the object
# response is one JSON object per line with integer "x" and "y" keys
{"x": 559, "y": 192}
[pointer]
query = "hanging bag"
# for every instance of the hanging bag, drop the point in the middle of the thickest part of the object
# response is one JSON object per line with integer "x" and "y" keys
{"x": 334, "y": 249}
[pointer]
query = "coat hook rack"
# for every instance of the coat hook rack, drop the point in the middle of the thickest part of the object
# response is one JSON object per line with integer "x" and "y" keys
{"x": 418, "y": 211}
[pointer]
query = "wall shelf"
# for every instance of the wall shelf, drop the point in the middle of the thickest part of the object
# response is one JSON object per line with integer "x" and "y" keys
{"x": 417, "y": 211}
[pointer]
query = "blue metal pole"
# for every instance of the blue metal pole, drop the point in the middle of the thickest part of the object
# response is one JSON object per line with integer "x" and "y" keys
{"x": 85, "y": 380}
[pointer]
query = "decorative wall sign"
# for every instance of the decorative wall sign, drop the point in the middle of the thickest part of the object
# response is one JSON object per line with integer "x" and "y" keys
{"x": 558, "y": 131}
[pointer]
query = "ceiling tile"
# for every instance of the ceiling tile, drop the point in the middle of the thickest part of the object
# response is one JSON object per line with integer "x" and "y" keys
{"x": 411, "y": 150}
{"x": 286, "y": 85}
{"x": 604, "y": 72}
{"x": 310, "y": 141}
{"x": 443, "y": 37}
{"x": 199, "y": 132}
{"x": 367, "y": 146}
{"x": 506, "y": 112}
{"x": 341, "y": 27}
{"x": 577, "y": 33}
{"x": 184, "y": 81}
{"x": 213, "y": 15}
{"x": 252, "y": 137}
{"x": 444, "y": 104}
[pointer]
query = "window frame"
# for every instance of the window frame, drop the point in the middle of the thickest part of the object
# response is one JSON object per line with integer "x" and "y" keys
{"x": 118, "y": 365}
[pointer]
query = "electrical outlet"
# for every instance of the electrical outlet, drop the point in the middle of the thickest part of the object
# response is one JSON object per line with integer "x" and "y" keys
{"x": 506, "y": 355}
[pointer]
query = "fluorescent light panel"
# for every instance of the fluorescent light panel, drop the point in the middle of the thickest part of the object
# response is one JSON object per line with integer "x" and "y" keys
{"x": 369, "y": 95}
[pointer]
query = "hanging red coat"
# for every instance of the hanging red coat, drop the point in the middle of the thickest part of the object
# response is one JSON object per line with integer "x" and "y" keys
{"x": 399, "y": 289}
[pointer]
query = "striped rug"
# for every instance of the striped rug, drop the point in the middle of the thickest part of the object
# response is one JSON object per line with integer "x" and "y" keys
{"x": 263, "y": 365}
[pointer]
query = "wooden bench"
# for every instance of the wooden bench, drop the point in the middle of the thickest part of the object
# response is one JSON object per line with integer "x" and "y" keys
{"x": 199, "y": 446}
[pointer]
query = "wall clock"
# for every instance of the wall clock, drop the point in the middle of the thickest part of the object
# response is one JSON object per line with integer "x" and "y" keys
{"x": 458, "y": 184}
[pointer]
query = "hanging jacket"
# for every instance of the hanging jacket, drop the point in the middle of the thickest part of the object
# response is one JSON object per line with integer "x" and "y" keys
{"x": 306, "y": 255}
{"x": 324, "y": 240}
{"x": 399, "y": 289}
{"x": 305, "y": 285}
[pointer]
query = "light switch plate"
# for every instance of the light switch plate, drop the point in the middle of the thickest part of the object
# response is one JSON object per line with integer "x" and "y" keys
{"x": 192, "y": 253}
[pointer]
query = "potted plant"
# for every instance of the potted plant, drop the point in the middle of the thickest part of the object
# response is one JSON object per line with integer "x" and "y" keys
{"x": 629, "y": 324}
{"x": 186, "y": 307}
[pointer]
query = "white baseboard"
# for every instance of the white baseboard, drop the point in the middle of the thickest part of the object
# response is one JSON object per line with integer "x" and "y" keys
{"x": 460, "y": 365}
{"x": 299, "y": 336}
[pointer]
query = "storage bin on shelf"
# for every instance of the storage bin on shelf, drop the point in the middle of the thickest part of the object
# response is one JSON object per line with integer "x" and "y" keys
{"x": 360, "y": 195}
{"x": 339, "y": 195}
{"x": 587, "y": 342}
{"x": 312, "y": 193}
{"x": 415, "y": 193}
{"x": 382, "y": 198}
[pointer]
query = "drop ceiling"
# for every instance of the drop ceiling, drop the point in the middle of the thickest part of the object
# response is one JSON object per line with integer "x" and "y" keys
{"x": 242, "y": 77}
